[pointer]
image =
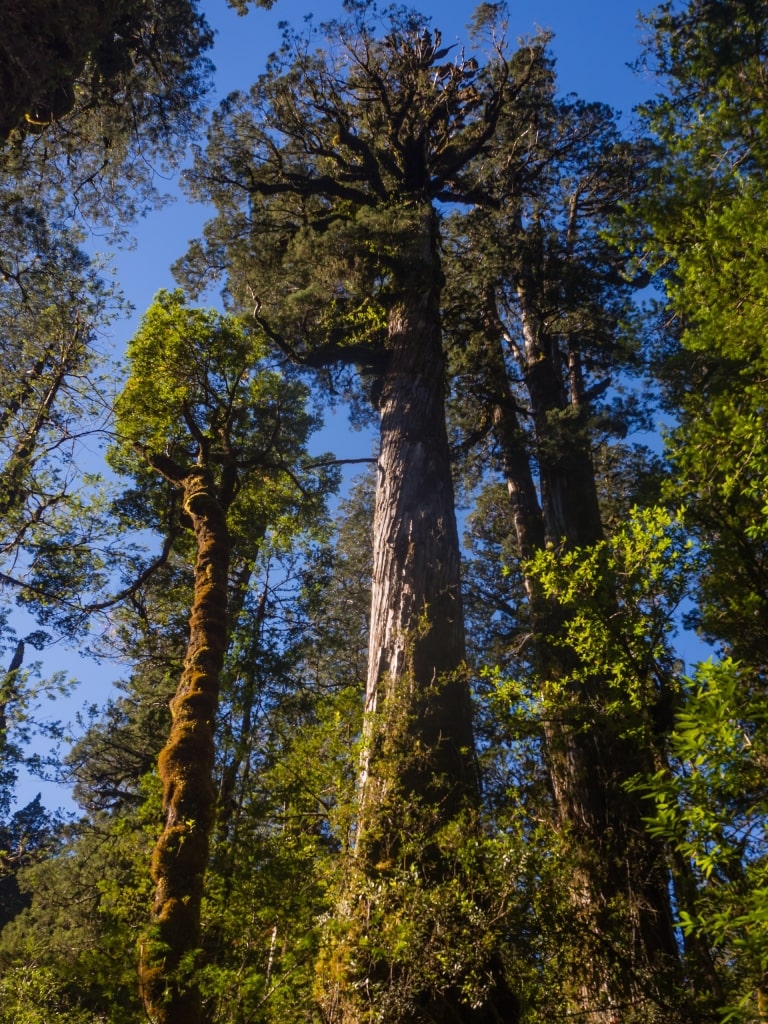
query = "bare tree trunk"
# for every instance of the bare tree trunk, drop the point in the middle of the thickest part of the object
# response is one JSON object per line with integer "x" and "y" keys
{"x": 186, "y": 765}
{"x": 418, "y": 771}
{"x": 417, "y": 695}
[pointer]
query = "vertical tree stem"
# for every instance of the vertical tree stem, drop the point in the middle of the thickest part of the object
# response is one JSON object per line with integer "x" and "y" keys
{"x": 185, "y": 765}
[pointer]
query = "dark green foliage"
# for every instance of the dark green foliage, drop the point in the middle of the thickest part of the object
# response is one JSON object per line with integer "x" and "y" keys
{"x": 71, "y": 954}
{"x": 319, "y": 191}
{"x": 706, "y": 233}
{"x": 52, "y": 307}
{"x": 544, "y": 337}
{"x": 92, "y": 164}
{"x": 56, "y": 57}
{"x": 28, "y": 835}
{"x": 710, "y": 804}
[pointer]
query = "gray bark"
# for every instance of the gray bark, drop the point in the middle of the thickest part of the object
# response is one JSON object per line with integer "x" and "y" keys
{"x": 415, "y": 685}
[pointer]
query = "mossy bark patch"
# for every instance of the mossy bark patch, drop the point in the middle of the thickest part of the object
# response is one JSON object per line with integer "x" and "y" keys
{"x": 186, "y": 769}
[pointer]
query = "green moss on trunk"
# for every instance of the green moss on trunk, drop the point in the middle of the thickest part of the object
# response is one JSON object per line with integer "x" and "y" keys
{"x": 185, "y": 766}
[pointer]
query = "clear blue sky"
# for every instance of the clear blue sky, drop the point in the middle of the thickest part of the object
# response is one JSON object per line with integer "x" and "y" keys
{"x": 595, "y": 41}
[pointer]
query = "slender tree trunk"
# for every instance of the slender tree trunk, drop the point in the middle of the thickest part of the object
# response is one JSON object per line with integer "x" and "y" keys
{"x": 185, "y": 766}
{"x": 9, "y": 691}
{"x": 228, "y": 799}
{"x": 621, "y": 888}
{"x": 15, "y": 471}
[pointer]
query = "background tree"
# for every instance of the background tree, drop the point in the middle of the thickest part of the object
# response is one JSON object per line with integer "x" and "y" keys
{"x": 704, "y": 238}
{"x": 94, "y": 101}
{"x": 285, "y": 766}
{"x": 543, "y": 343}
{"x": 53, "y": 306}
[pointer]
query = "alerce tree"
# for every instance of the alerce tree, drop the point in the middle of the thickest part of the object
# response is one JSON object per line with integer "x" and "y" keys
{"x": 328, "y": 180}
{"x": 544, "y": 342}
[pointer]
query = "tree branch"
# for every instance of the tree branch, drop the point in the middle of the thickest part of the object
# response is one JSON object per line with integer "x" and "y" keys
{"x": 140, "y": 580}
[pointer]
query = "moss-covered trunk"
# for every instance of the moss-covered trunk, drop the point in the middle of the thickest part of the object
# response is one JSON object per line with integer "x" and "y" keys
{"x": 185, "y": 765}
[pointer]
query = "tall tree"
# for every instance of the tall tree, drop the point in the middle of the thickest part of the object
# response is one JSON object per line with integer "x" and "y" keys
{"x": 200, "y": 411}
{"x": 327, "y": 180}
{"x": 704, "y": 237}
{"x": 92, "y": 97}
{"x": 704, "y": 234}
{"x": 542, "y": 348}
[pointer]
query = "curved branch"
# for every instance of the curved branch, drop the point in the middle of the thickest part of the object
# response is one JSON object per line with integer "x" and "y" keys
{"x": 306, "y": 185}
{"x": 141, "y": 579}
{"x": 203, "y": 443}
{"x": 371, "y": 357}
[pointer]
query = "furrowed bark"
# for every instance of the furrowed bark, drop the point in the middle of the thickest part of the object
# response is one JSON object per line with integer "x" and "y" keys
{"x": 416, "y": 648}
{"x": 418, "y": 772}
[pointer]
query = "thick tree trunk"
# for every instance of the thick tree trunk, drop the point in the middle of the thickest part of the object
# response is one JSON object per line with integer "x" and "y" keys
{"x": 417, "y": 696}
{"x": 186, "y": 769}
{"x": 418, "y": 771}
